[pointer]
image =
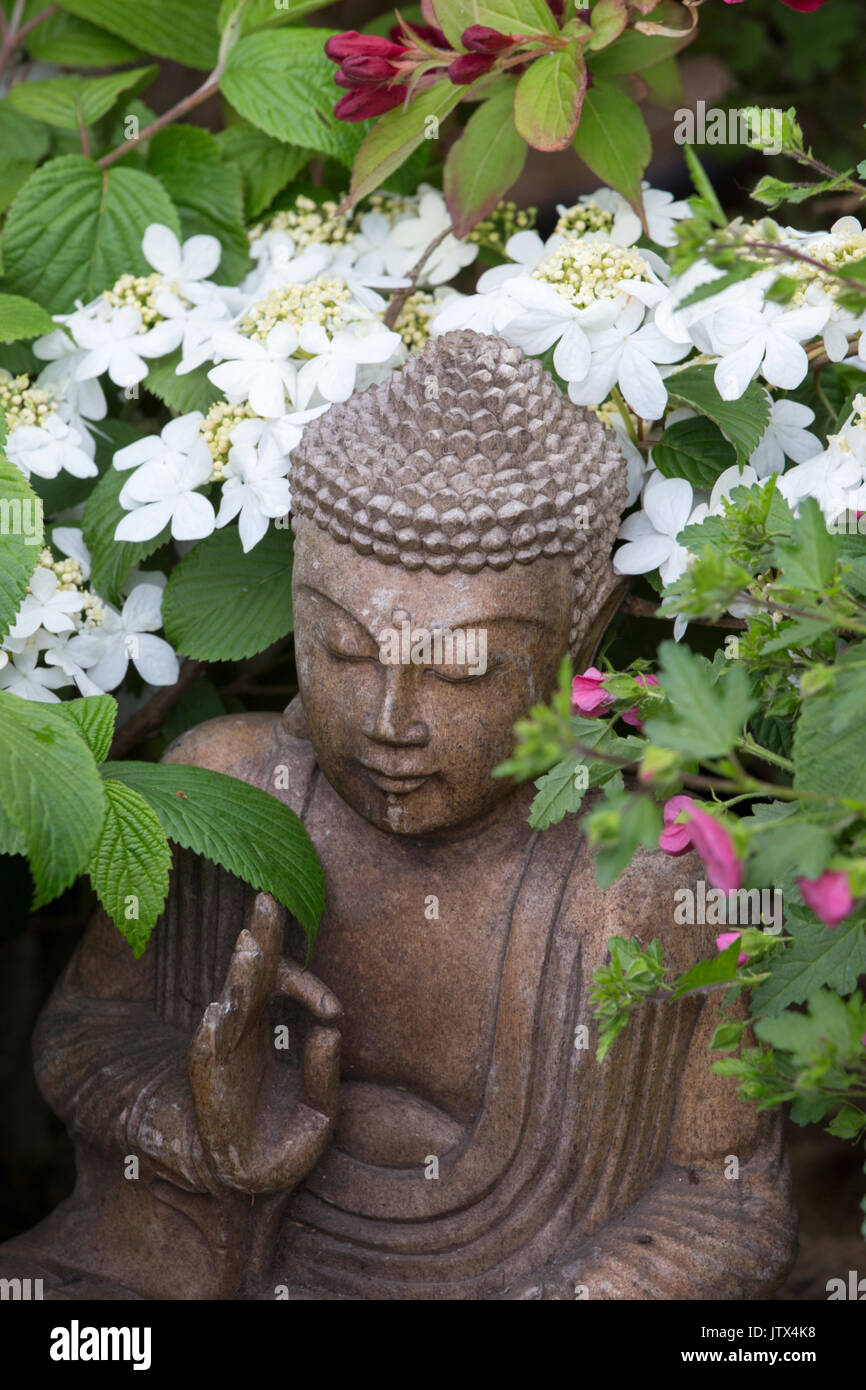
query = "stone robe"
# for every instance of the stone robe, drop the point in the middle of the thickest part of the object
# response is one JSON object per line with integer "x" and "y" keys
{"x": 554, "y": 1177}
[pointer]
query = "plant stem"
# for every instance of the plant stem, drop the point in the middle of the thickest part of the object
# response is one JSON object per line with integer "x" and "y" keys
{"x": 207, "y": 89}
{"x": 10, "y": 41}
{"x": 399, "y": 299}
{"x": 625, "y": 413}
{"x": 748, "y": 745}
{"x": 149, "y": 718}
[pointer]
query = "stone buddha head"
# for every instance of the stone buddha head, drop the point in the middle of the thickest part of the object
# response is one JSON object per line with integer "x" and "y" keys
{"x": 453, "y": 529}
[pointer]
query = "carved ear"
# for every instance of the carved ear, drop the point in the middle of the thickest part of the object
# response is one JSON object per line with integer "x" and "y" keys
{"x": 609, "y": 599}
{"x": 295, "y": 720}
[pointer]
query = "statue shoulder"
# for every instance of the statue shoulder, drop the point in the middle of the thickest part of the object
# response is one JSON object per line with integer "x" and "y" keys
{"x": 256, "y": 748}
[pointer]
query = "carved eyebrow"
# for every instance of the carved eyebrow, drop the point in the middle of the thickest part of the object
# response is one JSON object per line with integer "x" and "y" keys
{"x": 356, "y": 622}
{"x": 539, "y": 620}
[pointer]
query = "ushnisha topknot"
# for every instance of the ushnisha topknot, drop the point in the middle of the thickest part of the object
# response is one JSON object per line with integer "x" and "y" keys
{"x": 469, "y": 456}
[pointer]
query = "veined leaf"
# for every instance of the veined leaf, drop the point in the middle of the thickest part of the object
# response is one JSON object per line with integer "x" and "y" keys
{"x": 247, "y": 831}
{"x": 484, "y": 163}
{"x": 21, "y": 318}
{"x": 613, "y": 140}
{"x": 21, "y": 532}
{"x": 187, "y": 33}
{"x": 72, "y": 102}
{"x": 549, "y": 98}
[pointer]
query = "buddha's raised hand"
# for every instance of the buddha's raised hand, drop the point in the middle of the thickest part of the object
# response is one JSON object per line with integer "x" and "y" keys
{"x": 264, "y": 1125}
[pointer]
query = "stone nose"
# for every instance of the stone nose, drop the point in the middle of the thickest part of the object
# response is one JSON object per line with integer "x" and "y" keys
{"x": 393, "y": 720}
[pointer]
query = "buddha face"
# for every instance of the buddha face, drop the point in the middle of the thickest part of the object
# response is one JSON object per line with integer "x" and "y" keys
{"x": 411, "y": 682}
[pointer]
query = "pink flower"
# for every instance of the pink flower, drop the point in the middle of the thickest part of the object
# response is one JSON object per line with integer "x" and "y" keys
{"x": 828, "y": 896}
{"x": 632, "y": 716}
{"x": 676, "y": 839}
{"x": 723, "y": 941}
{"x": 587, "y": 693}
{"x": 708, "y": 836}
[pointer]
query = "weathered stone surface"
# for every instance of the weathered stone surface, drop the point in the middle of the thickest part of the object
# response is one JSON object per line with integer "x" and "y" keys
{"x": 434, "y": 1129}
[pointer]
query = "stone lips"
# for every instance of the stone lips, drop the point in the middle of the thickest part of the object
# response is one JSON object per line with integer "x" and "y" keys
{"x": 469, "y": 456}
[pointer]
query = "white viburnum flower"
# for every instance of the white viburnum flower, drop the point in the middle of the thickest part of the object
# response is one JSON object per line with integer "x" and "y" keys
{"x": 662, "y": 214}
{"x": 50, "y": 448}
{"x": 333, "y": 365}
{"x": 128, "y": 636}
{"x": 69, "y": 540}
{"x": 651, "y": 534}
{"x": 116, "y": 345}
{"x": 256, "y": 490}
{"x": 414, "y": 234}
{"x": 834, "y": 478}
{"x": 46, "y": 606}
{"x": 526, "y": 250}
{"x": 184, "y": 268}
{"x": 168, "y": 469}
{"x": 64, "y": 357}
{"x": 626, "y": 355}
{"x": 786, "y": 435}
{"x": 21, "y": 674}
{"x": 262, "y": 373}
{"x": 751, "y": 337}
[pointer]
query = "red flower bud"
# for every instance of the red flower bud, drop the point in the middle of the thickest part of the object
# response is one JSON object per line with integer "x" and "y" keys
{"x": 361, "y": 105}
{"x": 478, "y": 38}
{"x": 364, "y": 72}
{"x": 427, "y": 33}
{"x": 469, "y": 66}
{"x": 557, "y": 9}
{"x": 355, "y": 45}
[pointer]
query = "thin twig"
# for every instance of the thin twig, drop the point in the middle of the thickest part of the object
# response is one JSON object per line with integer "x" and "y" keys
{"x": 643, "y": 608}
{"x": 207, "y": 89}
{"x": 149, "y": 718}
{"x": 401, "y": 296}
{"x": 37, "y": 19}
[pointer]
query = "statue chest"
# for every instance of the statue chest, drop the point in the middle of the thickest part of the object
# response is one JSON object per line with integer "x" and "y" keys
{"x": 414, "y": 949}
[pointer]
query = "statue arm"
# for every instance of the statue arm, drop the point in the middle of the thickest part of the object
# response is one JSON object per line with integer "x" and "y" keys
{"x": 113, "y": 1070}
{"x": 716, "y": 1223}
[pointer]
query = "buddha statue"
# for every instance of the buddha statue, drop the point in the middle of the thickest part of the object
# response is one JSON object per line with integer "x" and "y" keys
{"x": 437, "y": 1127}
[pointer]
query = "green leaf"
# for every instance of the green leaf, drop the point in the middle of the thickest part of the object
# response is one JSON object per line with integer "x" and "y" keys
{"x": 558, "y": 794}
{"x": 707, "y": 715}
{"x": 112, "y": 560}
{"x": 21, "y": 532}
{"x": 21, "y": 136}
{"x": 743, "y": 422}
{"x": 94, "y": 716}
{"x": 640, "y": 824}
{"x": 613, "y": 140}
{"x": 549, "y": 97}
{"x": 187, "y": 33}
{"x": 73, "y": 102}
{"x": 727, "y": 1037}
{"x": 808, "y": 560}
{"x": 207, "y": 193}
{"x": 829, "y": 751}
{"x": 130, "y": 865}
{"x": 704, "y": 189}
{"x": 266, "y": 164}
{"x": 716, "y": 971}
{"x": 74, "y": 229}
{"x": 255, "y": 14}
{"x": 283, "y": 83}
{"x": 51, "y": 791}
{"x": 484, "y": 163}
{"x": 848, "y": 1123}
{"x": 783, "y": 849}
{"x": 74, "y": 43}
{"x": 202, "y": 701}
{"x": 247, "y": 831}
{"x": 21, "y": 318}
{"x": 223, "y": 605}
{"x": 14, "y": 173}
{"x": 396, "y": 134}
{"x": 695, "y": 450}
{"x": 192, "y": 391}
{"x": 634, "y": 52}
{"x": 507, "y": 16}
{"x": 817, "y": 956}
